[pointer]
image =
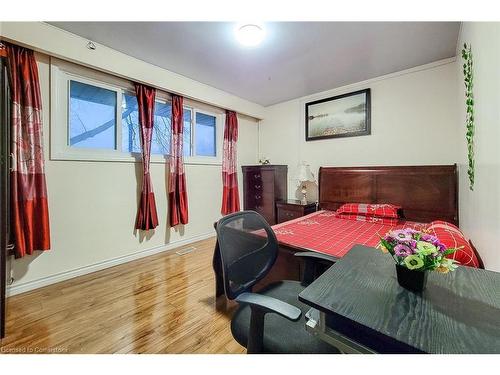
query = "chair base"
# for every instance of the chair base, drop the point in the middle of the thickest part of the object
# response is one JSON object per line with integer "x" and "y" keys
{"x": 281, "y": 335}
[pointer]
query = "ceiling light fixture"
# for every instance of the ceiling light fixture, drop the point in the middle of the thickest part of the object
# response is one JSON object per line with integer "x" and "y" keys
{"x": 250, "y": 35}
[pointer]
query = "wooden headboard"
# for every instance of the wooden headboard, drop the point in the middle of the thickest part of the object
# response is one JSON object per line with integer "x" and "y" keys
{"x": 425, "y": 193}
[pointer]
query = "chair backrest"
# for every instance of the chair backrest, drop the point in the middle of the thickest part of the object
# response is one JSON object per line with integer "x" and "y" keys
{"x": 248, "y": 249}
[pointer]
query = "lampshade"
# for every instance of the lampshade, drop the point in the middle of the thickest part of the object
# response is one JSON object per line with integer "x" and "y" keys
{"x": 305, "y": 174}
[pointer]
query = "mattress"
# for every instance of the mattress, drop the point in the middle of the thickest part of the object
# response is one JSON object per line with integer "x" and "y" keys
{"x": 324, "y": 232}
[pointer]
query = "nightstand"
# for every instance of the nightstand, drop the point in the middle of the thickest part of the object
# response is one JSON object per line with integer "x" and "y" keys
{"x": 293, "y": 209}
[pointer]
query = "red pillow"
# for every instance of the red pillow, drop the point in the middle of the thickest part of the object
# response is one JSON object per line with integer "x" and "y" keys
{"x": 452, "y": 236}
{"x": 445, "y": 226}
{"x": 379, "y": 210}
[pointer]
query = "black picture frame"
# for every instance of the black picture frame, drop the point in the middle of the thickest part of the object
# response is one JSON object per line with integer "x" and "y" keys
{"x": 365, "y": 131}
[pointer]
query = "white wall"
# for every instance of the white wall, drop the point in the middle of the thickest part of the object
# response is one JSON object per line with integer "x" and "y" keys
{"x": 93, "y": 207}
{"x": 413, "y": 121}
{"x": 480, "y": 209}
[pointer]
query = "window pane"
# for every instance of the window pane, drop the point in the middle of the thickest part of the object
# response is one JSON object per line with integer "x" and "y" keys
{"x": 130, "y": 124}
{"x": 160, "y": 139}
{"x": 205, "y": 135}
{"x": 92, "y": 120}
{"x": 160, "y": 142}
{"x": 186, "y": 148}
{"x": 162, "y": 129}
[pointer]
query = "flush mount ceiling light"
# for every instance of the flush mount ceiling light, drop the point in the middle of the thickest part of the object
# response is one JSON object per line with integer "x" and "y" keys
{"x": 250, "y": 35}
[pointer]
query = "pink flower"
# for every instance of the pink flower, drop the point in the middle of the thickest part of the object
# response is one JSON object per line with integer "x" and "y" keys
{"x": 429, "y": 238}
{"x": 402, "y": 250}
{"x": 401, "y": 235}
{"x": 441, "y": 247}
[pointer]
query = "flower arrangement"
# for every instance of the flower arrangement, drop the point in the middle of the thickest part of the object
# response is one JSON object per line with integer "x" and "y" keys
{"x": 418, "y": 251}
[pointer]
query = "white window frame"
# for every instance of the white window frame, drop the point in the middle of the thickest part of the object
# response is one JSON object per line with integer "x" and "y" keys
{"x": 218, "y": 135}
{"x": 59, "y": 125}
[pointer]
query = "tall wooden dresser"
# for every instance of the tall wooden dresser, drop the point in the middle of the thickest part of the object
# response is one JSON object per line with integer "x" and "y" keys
{"x": 263, "y": 185}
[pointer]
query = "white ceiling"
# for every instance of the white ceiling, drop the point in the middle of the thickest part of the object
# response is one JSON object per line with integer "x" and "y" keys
{"x": 295, "y": 59}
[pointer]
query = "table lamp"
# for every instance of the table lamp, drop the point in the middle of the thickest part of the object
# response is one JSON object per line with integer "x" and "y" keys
{"x": 304, "y": 175}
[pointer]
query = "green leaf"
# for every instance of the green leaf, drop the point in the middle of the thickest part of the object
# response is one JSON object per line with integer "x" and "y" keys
{"x": 451, "y": 251}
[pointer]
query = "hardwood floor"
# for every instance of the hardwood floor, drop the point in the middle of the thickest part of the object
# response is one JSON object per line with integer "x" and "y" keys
{"x": 160, "y": 304}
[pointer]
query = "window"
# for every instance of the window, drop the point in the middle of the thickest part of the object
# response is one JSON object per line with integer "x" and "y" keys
{"x": 96, "y": 118}
{"x": 92, "y": 119}
{"x": 205, "y": 134}
{"x": 162, "y": 129}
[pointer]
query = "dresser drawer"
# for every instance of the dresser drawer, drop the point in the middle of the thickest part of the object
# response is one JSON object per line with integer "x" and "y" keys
{"x": 285, "y": 214}
{"x": 293, "y": 209}
{"x": 259, "y": 180}
{"x": 259, "y": 198}
{"x": 253, "y": 176}
{"x": 256, "y": 188}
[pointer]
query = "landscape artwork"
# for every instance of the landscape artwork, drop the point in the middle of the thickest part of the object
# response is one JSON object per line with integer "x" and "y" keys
{"x": 346, "y": 115}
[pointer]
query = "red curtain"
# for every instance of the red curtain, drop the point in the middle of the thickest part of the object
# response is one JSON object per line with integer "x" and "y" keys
{"x": 147, "y": 217}
{"x": 230, "y": 195}
{"x": 30, "y": 211}
{"x": 177, "y": 194}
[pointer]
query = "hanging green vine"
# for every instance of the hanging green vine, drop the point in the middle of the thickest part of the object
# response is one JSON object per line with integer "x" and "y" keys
{"x": 469, "y": 102}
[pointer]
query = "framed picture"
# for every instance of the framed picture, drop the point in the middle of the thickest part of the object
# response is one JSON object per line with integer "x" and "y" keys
{"x": 346, "y": 115}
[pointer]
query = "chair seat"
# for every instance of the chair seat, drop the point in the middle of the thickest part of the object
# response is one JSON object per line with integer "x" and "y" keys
{"x": 281, "y": 335}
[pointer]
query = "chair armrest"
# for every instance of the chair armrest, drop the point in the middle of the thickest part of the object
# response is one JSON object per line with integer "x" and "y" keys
{"x": 315, "y": 256}
{"x": 269, "y": 305}
{"x": 260, "y": 305}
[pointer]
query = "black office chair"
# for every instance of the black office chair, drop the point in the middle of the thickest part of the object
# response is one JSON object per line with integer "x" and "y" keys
{"x": 268, "y": 321}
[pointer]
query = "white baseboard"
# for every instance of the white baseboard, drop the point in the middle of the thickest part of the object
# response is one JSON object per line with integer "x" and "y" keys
{"x": 52, "y": 279}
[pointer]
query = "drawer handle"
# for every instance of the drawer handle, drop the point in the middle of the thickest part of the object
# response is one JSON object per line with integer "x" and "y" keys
{"x": 256, "y": 175}
{"x": 258, "y": 196}
{"x": 257, "y": 186}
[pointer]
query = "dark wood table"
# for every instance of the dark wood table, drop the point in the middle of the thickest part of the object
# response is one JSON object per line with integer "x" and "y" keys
{"x": 359, "y": 305}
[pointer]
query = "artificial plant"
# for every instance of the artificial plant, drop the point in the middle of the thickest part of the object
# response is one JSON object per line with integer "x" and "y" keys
{"x": 469, "y": 103}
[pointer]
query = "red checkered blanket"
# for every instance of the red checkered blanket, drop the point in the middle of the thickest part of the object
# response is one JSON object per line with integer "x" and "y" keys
{"x": 325, "y": 232}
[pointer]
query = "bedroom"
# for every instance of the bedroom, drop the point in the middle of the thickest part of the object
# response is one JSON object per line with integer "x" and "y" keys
{"x": 131, "y": 263}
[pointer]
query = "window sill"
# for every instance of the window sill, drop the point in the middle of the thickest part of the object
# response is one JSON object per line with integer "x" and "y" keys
{"x": 155, "y": 159}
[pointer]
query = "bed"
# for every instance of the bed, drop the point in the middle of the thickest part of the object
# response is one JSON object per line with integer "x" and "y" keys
{"x": 325, "y": 232}
{"x": 425, "y": 193}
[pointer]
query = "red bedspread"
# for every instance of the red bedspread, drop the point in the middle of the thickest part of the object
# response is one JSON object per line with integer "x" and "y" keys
{"x": 323, "y": 232}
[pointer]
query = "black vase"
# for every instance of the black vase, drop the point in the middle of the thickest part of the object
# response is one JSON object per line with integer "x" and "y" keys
{"x": 411, "y": 280}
